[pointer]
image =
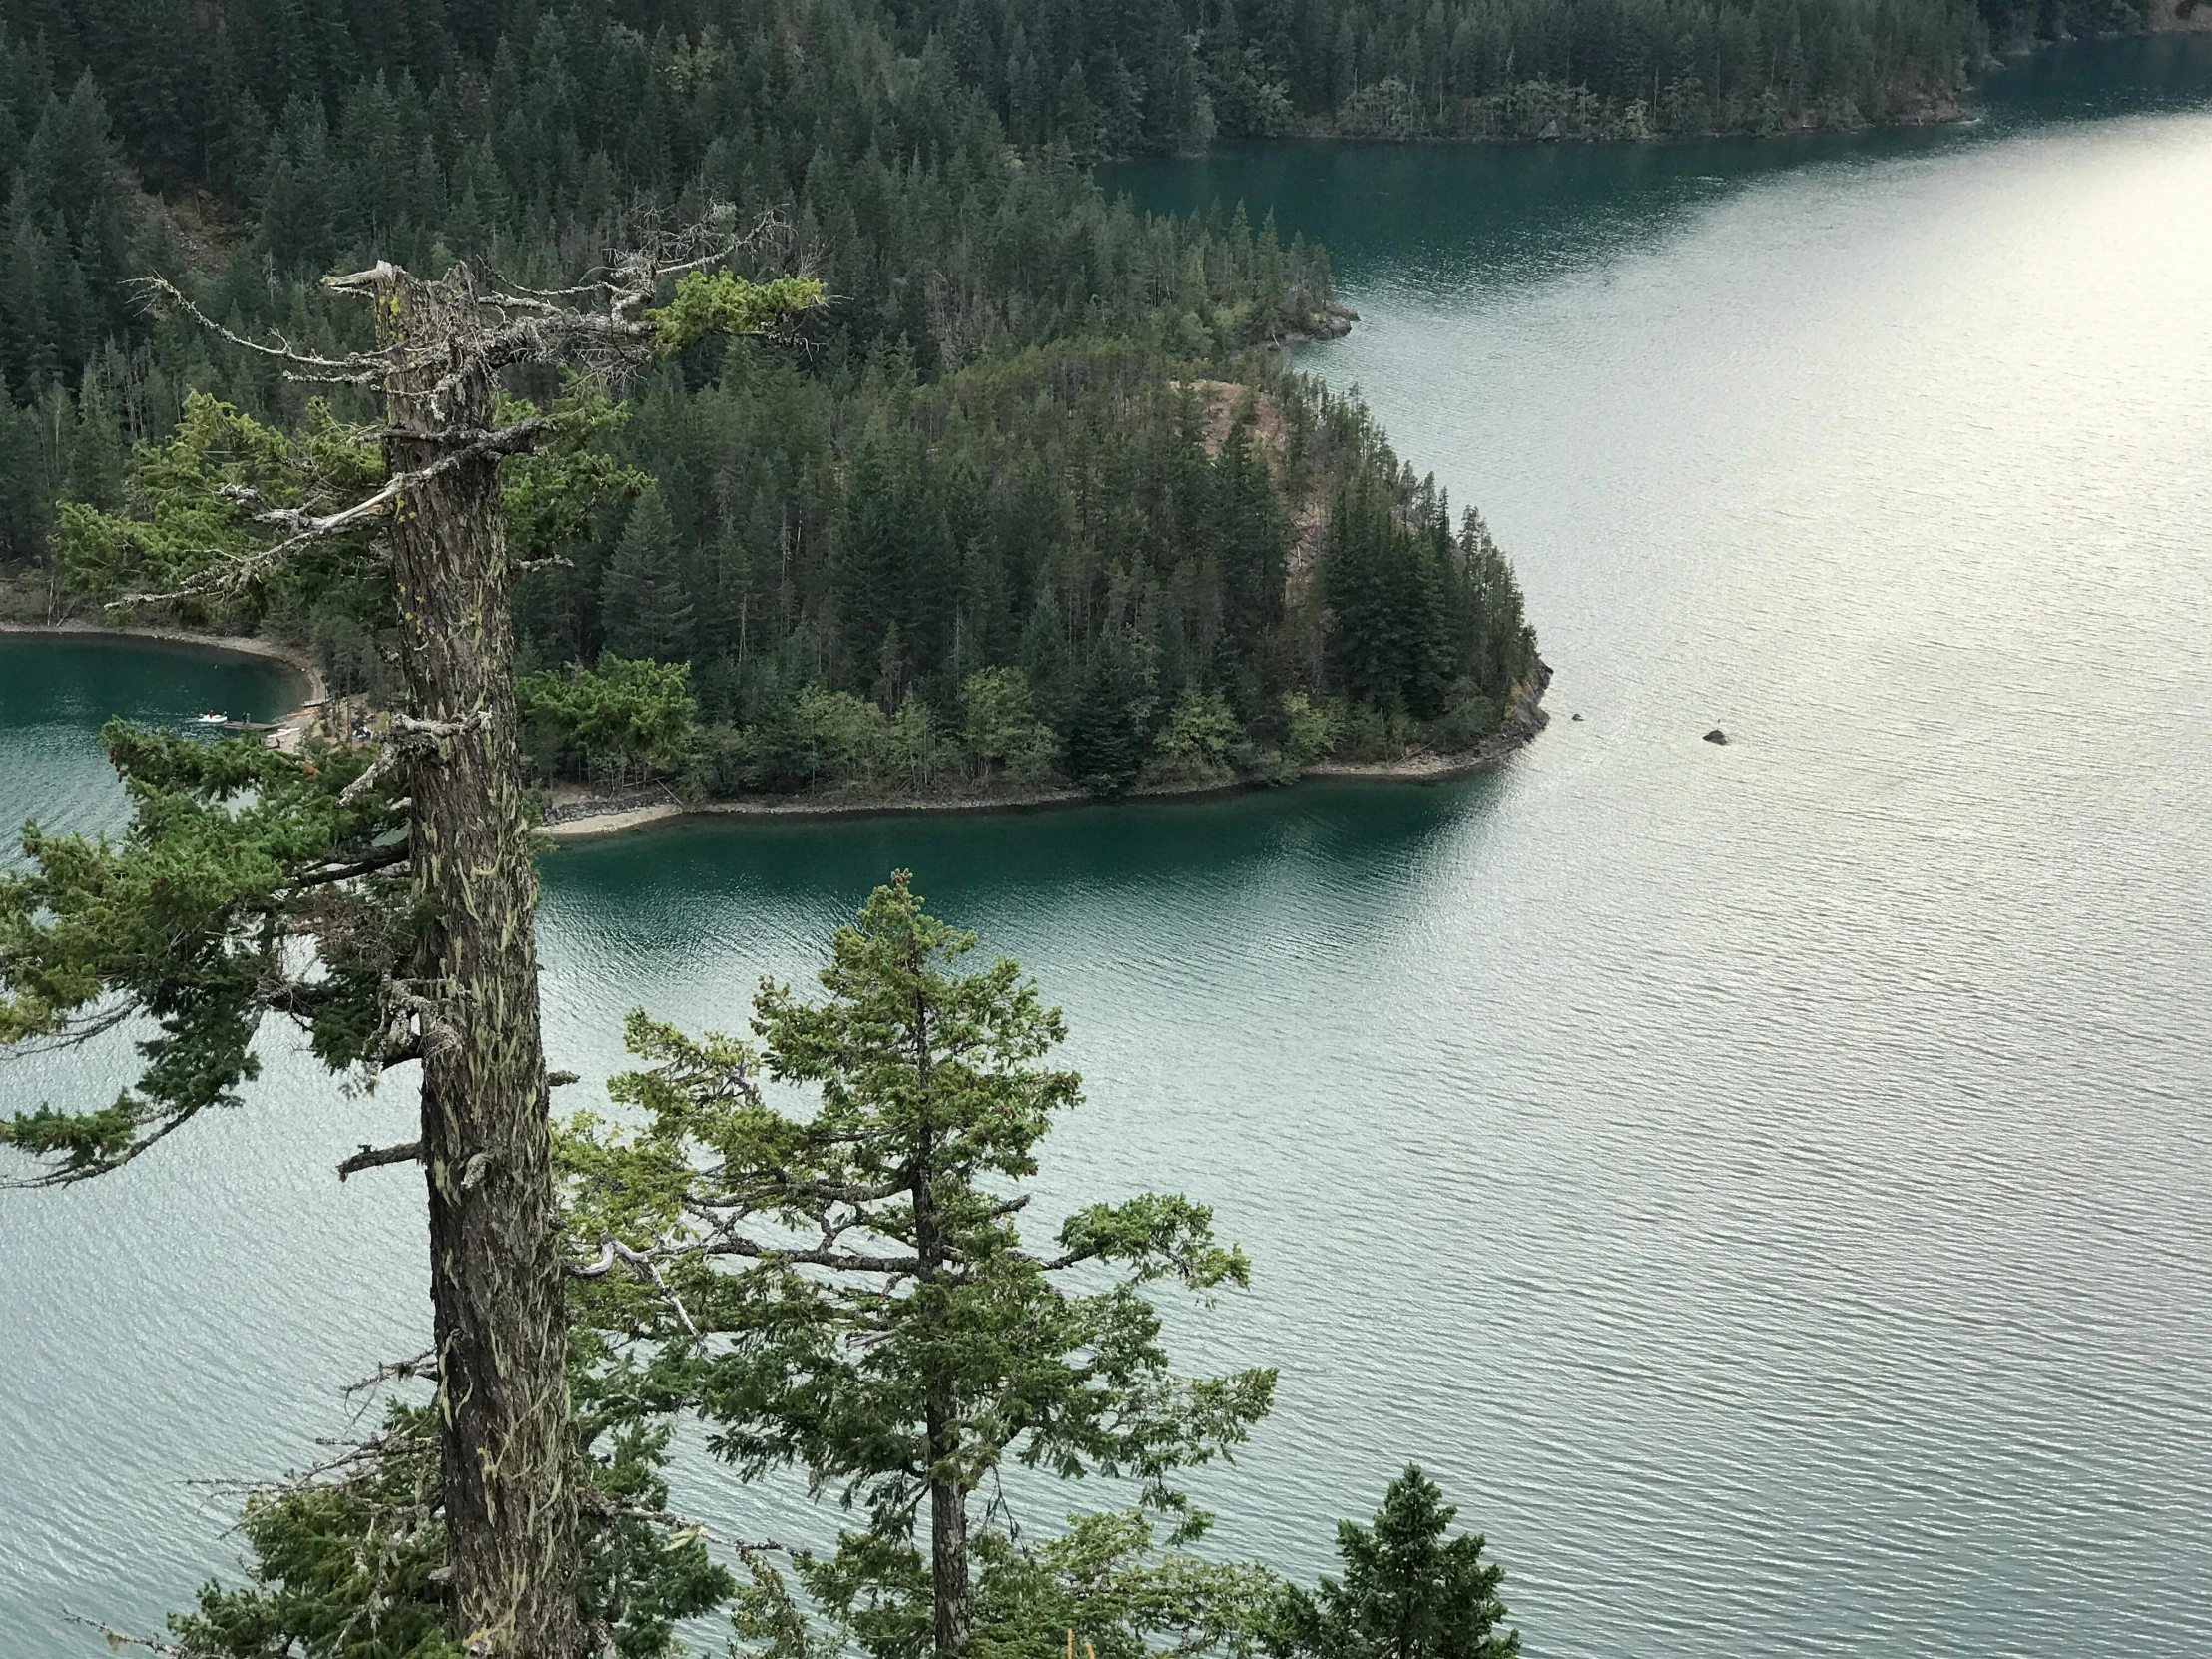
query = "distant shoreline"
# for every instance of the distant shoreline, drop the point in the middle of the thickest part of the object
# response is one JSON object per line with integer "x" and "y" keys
{"x": 1933, "y": 109}
{"x": 1952, "y": 107}
{"x": 1526, "y": 718}
{"x": 292, "y": 657}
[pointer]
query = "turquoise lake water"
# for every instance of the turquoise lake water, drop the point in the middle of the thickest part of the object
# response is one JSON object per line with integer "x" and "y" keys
{"x": 1769, "y": 1186}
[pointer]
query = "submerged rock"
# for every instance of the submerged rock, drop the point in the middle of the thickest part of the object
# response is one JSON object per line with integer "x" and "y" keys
{"x": 1716, "y": 736}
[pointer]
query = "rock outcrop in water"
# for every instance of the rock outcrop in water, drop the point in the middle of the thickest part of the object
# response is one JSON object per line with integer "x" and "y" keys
{"x": 1332, "y": 321}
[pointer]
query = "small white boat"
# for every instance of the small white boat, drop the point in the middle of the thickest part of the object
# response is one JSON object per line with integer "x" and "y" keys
{"x": 208, "y": 720}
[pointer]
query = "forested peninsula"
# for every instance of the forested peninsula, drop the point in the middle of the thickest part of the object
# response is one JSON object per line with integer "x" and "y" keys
{"x": 1026, "y": 505}
{"x": 1027, "y": 508}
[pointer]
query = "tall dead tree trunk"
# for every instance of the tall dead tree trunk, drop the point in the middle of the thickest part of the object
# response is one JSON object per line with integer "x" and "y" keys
{"x": 464, "y": 1002}
{"x": 496, "y": 1261}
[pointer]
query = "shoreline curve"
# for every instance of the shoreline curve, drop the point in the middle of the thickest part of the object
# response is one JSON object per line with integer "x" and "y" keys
{"x": 1526, "y": 718}
{"x": 299, "y": 659}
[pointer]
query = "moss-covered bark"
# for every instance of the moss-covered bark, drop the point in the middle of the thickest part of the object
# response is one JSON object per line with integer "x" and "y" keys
{"x": 495, "y": 1252}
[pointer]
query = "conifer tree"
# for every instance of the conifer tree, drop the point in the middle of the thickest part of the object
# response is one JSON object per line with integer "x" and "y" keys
{"x": 645, "y": 604}
{"x": 848, "y": 1290}
{"x": 1407, "y": 1591}
{"x": 1499, "y": 641}
{"x": 236, "y": 852}
{"x": 1250, "y": 538}
{"x": 1392, "y": 637}
{"x": 1365, "y": 582}
{"x": 1107, "y": 735}
{"x": 870, "y": 571}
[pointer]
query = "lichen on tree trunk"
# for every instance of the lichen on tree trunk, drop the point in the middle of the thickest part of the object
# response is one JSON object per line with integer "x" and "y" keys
{"x": 496, "y": 1273}
{"x": 948, "y": 1540}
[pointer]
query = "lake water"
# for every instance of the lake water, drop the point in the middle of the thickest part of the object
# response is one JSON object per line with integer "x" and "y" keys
{"x": 1769, "y": 1185}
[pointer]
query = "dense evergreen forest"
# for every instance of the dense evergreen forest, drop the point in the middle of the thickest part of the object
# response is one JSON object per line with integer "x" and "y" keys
{"x": 1024, "y": 503}
{"x": 1119, "y": 77}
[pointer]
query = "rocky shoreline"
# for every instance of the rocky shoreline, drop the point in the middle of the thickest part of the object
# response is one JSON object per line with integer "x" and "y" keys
{"x": 1525, "y": 716}
{"x": 1332, "y": 322}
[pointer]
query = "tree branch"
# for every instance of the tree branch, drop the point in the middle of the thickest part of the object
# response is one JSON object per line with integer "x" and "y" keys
{"x": 75, "y": 1032}
{"x": 117, "y": 1639}
{"x": 412, "y": 732}
{"x": 306, "y": 528}
{"x": 838, "y": 1260}
{"x": 378, "y": 768}
{"x": 160, "y": 292}
{"x": 597, "y": 1502}
{"x": 369, "y": 865}
{"x": 69, "y": 1175}
{"x": 377, "y": 1157}
{"x": 641, "y": 1263}
{"x": 424, "y": 1365}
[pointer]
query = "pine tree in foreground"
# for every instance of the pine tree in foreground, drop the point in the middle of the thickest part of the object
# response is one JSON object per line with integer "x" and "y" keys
{"x": 1407, "y": 1591}
{"x": 850, "y": 1292}
{"x": 386, "y": 904}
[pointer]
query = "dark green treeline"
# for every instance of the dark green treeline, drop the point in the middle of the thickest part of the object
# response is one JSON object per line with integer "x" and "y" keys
{"x": 1123, "y": 76}
{"x": 987, "y": 455}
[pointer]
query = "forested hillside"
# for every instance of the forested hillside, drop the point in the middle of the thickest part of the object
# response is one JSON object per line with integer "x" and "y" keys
{"x": 1120, "y": 77}
{"x": 983, "y": 457}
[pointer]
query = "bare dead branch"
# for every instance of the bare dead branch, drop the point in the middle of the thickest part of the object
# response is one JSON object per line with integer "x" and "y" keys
{"x": 601, "y": 1264}
{"x": 369, "y": 865}
{"x": 424, "y": 1365}
{"x": 349, "y": 1455}
{"x": 305, "y": 529}
{"x": 553, "y": 325}
{"x": 597, "y": 1503}
{"x": 641, "y": 1263}
{"x": 160, "y": 293}
{"x": 404, "y": 999}
{"x": 725, "y": 1242}
{"x": 389, "y": 1053}
{"x": 119, "y": 1639}
{"x": 410, "y": 732}
{"x": 377, "y": 1157}
{"x": 364, "y": 282}
{"x": 378, "y": 768}
{"x": 408, "y": 736}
